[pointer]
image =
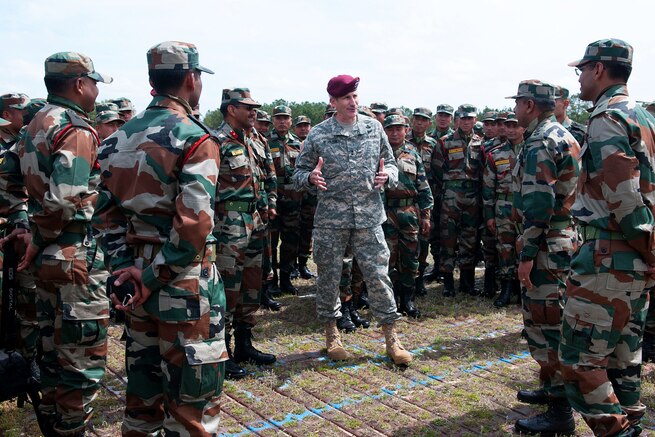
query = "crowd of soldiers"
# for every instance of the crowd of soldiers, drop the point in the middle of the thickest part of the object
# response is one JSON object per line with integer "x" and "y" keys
{"x": 189, "y": 220}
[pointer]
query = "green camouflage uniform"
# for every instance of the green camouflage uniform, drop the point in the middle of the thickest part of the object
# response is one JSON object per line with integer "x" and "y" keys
{"x": 161, "y": 222}
{"x": 57, "y": 157}
{"x": 607, "y": 292}
{"x": 578, "y": 130}
{"x": 307, "y": 211}
{"x": 544, "y": 181}
{"x": 350, "y": 211}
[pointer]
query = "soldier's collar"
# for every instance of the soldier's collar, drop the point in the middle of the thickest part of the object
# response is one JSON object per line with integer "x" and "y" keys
{"x": 63, "y": 101}
{"x": 162, "y": 100}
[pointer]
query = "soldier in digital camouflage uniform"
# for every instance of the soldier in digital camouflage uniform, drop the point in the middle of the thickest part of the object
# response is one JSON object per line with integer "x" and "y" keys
{"x": 125, "y": 108}
{"x": 57, "y": 155}
{"x": 408, "y": 206}
{"x": 263, "y": 123}
{"x": 285, "y": 147}
{"x": 108, "y": 120}
{"x": 302, "y": 126}
{"x": 561, "y": 103}
{"x": 157, "y": 231}
{"x": 544, "y": 181}
{"x": 239, "y": 228}
{"x": 425, "y": 145}
{"x": 607, "y": 291}
{"x": 497, "y": 204}
{"x": 348, "y": 159}
{"x": 457, "y": 167}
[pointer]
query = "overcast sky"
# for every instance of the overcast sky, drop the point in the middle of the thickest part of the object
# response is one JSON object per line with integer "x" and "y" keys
{"x": 407, "y": 53}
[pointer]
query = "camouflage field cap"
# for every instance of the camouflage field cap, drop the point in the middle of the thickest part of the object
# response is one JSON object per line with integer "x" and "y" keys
{"x": 467, "y": 110}
{"x": 263, "y": 116}
{"x": 302, "y": 119}
{"x": 610, "y": 49}
{"x": 329, "y": 109}
{"x": 511, "y": 118}
{"x": 445, "y": 109}
{"x": 397, "y": 111}
{"x": 394, "y": 120}
{"x": 489, "y": 116}
{"x": 107, "y": 112}
{"x": 561, "y": 92}
{"x": 71, "y": 64}
{"x": 14, "y": 100}
{"x": 422, "y": 112}
{"x": 536, "y": 90}
{"x": 379, "y": 107}
{"x": 123, "y": 103}
{"x": 281, "y": 110}
{"x": 365, "y": 110}
{"x": 175, "y": 55}
{"x": 32, "y": 108}
{"x": 502, "y": 116}
{"x": 238, "y": 96}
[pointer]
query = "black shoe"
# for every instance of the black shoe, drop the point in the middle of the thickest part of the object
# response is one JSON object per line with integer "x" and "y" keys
{"x": 305, "y": 273}
{"x": 245, "y": 351}
{"x": 285, "y": 283}
{"x": 232, "y": 371}
{"x": 557, "y": 420}
{"x": 467, "y": 282}
{"x": 490, "y": 286}
{"x": 274, "y": 287}
{"x": 407, "y": 302}
{"x": 357, "y": 318}
{"x": 534, "y": 397}
{"x": 360, "y": 301}
{"x": 345, "y": 322}
{"x": 295, "y": 273}
{"x": 648, "y": 347}
{"x": 506, "y": 291}
{"x": 419, "y": 283}
{"x": 448, "y": 285}
{"x": 268, "y": 302}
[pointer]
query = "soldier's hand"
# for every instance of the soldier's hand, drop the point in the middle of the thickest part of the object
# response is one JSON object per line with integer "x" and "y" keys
{"x": 141, "y": 292}
{"x": 491, "y": 225}
{"x": 525, "y": 267}
{"x": 316, "y": 176}
{"x": 381, "y": 177}
{"x": 12, "y": 236}
{"x": 272, "y": 213}
{"x": 425, "y": 228}
{"x": 31, "y": 252}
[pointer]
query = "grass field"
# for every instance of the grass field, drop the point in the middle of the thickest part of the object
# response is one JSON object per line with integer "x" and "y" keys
{"x": 469, "y": 361}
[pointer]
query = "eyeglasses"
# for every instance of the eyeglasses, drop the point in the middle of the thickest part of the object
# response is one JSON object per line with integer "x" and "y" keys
{"x": 247, "y": 107}
{"x": 578, "y": 71}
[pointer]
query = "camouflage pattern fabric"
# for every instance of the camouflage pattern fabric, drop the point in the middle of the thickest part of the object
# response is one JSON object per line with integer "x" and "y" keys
{"x": 576, "y": 129}
{"x": 176, "y": 341}
{"x": 350, "y": 211}
{"x": 351, "y": 284}
{"x": 406, "y": 205}
{"x": 307, "y": 212}
{"x": 239, "y": 229}
{"x": 57, "y": 155}
{"x": 457, "y": 167}
{"x": 607, "y": 292}
{"x": 488, "y": 239}
{"x": 544, "y": 181}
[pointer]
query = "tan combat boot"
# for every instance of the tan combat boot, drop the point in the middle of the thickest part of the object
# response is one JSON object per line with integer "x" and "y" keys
{"x": 394, "y": 349}
{"x": 335, "y": 349}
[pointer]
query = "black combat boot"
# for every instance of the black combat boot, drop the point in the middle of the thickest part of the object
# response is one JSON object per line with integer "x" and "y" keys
{"x": 360, "y": 300}
{"x": 295, "y": 273}
{"x": 557, "y": 420}
{"x": 345, "y": 323}
{"x": 407, "y": 302}
{"x": 305, "y": 273}
{"x": 420, "y": 282}
{"x": 285, "y": 283}
{"x": 356, "y": 318}
{"x": 648, "y": 347}
{"x": 506, "y": 291}
{"x": 433, "y": 275}
{"x": 267, "y": 300}
{"x": 274, "y": 285}
{"x": 490, "y": 286}
{"x": 232, "y": 371}
{"x": 467, "y": 282}
{"x": 245, "y": 351}
{"x": 448, "y": 285}
{"x": 534, "y": 397}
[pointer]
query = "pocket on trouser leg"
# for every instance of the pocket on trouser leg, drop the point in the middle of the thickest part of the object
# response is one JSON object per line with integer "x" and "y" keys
{"x": 587, "y": 333}
{"x": 202, "y": 371}
{"x": 84, "y": 333}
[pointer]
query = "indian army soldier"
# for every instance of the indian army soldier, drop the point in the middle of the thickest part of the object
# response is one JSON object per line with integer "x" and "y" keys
{"x": 442, "y": 120}
{"x": 612, "y": 272}
{"x": 425, "y": 145}
{"x": 125, "y": 108}
{"x": 380, "y": 110}
{"x": 561, "y": 104}
{"x": 11, "y": 110}
{"x": 353, "y": 154}
{"x": 302, "y": 127}
{"x": 158, "y": 233}
{"x": 263, "y": 122}
{"x": 285, "y": 147}
{"x": 239, "y": 228}
{"x": 457, "y": 167}
{"x": 544, "y": 182}
{"x": 57, "y": 153}
{"x": 108, "y": 120}
{"x": 497, "y": 205}
{"x": 329, "y": 111}
{"x": 408, "y": 206}
{"x": 489, "y": 125}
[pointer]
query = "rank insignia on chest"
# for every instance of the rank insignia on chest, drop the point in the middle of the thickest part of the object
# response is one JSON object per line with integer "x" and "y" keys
{"x": 455, "y": 150}
{"x": 236, "y": 152}
{"x": 502, "y": 161}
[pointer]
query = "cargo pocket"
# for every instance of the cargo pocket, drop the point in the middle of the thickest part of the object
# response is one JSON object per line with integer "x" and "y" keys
{"x": 84, "y": 333}
{"x": 587, "y": 327}
{"x": 201, "y": 375}
{"x": 559, "y": 251}
{"x": 627, "y": 273}
{"x": 63, "y": 265}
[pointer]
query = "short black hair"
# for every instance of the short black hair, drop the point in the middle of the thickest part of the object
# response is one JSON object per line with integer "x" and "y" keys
{"x": 59, "y": 85}
{"x": 618, "y": 70}
{"x": 167, "y": 81}
{"x": 545, "y": 105}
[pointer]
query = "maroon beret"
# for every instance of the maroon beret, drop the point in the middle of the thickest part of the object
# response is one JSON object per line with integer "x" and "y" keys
{"x": 341, "y": 85}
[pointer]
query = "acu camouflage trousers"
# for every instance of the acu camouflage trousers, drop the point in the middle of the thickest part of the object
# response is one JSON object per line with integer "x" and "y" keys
{"x": 459, "y": 224}
{"x": 174, "y": 355}
{"x": 352, "y": 281}
{"x": 401, "y": 231}
{"x": 370, "y": 249}
{"x": 602, "y": 328}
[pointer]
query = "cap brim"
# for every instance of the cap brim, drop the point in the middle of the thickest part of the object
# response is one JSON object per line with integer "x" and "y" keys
{"x": 4, "y": 122}
{"x": 468, "y": 114}
{"x": 204, "y": 69}
{"x": 395, "y": 124}
{"x": 19, "y": 106}
{"x": 446, "y": 112}
{"x": 99, "y": 77}
{"x": 251, "y": 102}
{"x": 513, "y": 97}
{"x": 576, "y": 63}
{"x": 422, "y": 115}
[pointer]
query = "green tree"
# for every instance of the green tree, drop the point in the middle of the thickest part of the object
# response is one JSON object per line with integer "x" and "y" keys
{"x": 314, "y": 110}
{"x": 578, "y": 109}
